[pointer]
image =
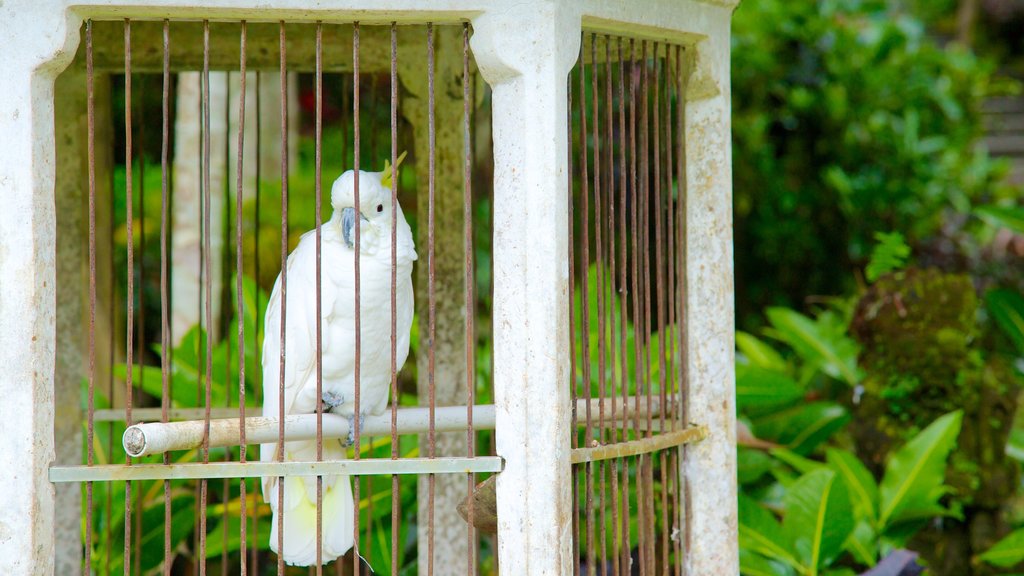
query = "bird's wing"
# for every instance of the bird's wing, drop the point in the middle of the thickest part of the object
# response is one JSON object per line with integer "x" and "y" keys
{"x": 300, "y": 336}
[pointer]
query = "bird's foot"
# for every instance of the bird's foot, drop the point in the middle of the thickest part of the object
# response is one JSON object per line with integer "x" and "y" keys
{"x": 331, "y": 400}
{"x": 352, "y": 428}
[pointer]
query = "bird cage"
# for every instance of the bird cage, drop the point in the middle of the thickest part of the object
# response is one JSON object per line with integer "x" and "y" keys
{"x": 567, "y": 177}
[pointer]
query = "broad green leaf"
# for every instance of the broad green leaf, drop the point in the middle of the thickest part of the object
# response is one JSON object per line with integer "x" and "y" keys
{"x": 798, "y": 462}
{"x": 915, "y": 473}
{"x": 761, "y": 533}
{"x": 1015, "y": 445}
{"x": 818, "y": 518}
{"x": 1004, "y": 216}
{"x": 863, "y": 544}
{"x": 752, "y": 564}
{"x": 1006, "y": 552}
{"x": 834, "y": 353}
{"x": 1007, "y": 308}
{"x": 758, "y": 387}
{"x": 751, "y": 464}
{"x": 861, "y": 486}
{"x": 803, "y": 427}
{"x": 759, "y": 352}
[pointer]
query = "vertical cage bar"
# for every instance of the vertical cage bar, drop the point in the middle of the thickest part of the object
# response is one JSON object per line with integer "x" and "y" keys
{"x": 394, "y": 282}
{"x": 470, "y": 300}
{"x": 659, "y": 259}
{"x": 431, "y": 292}
{"x": 207, "y": 200}
{"x": 165, "y": 328}
{"x": 573, "y": 385}
{"x": 319, "y": 316}
{"x": 598, "y": 492}
{"x": 469, "y": 278}
{"x": 356, "y": 481}
{"x": 672, "y": 523}
{"x": 609, "y": 225}
{"x": 130, "y": 268}
{"x": 240, "y": 312}
{"x": 284, "y": 285}
{"x": 257, "y": 183}
{"x": 91, "y": 400}
{"x": 624, "y": 291}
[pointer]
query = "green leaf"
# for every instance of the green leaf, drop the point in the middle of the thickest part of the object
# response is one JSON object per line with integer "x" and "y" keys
{"x": 863, "y": 544}
{"x": 803, "y": 427}
{"x": 859, "y": 482}
{"x": 751, "y": 464}
{"x": 752, "y": 564}
{"x": 1007, "y": 309}
{"x": 914, "y": 475}
{"x": 798, "y": 462}
{"x": 890, "y": 253}
{"x": 758, "y": 387}
{"x": 818, "y": 518}
{"x": 1011, "y": 217}
{"x": 1006, "y": 552}
{"x": 760, "y": 532}
{"x": 831, "y": 351}
{"x": 759, "y": 352}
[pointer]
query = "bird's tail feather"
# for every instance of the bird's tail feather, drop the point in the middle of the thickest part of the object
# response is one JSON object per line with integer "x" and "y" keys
{"x": 299, "y": 510}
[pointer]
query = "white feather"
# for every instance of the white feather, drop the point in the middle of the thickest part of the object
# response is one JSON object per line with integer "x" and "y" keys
{"x": 337, "y": 294}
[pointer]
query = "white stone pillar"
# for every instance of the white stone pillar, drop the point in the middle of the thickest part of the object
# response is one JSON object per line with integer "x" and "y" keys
{"x": 709, "y": 466}
{"x": 525, "y": 54}
{"x": 30, "y": 62}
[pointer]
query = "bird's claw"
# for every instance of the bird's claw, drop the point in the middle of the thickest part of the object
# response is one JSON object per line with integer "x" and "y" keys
{"x": 352, "y": 429}
{"x": 331, "y": 400}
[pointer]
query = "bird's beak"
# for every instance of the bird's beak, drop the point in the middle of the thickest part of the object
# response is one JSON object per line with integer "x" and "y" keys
{"x": 348, "y": 225}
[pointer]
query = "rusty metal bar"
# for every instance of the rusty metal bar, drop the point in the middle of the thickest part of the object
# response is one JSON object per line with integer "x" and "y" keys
{"x": 239, "y": 269}
{"x": 599, "y": 493}
{"x": 318, "y": 137}
{"x": 130, "y": 317}
{"x": 431, "y": 292}
{"x": 208, "y": 290}
{"x": 91, "y": 407}
{"x": 165, "y": 328}
{"x": 357, "y": 425}
{"x": 469, "y": 278}
{"x": 284, "y": 282}
{"x": 641, "y": 446}
{"x": 624, "y": 290}
{"x": 291, "y": 468}
{"x": 394, "y": 292}
{"x": 256, "y": 297}
{"x": 610, "y": 227}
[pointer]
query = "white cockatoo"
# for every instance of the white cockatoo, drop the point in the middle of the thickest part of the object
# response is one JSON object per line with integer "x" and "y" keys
{"x": 338, "y": 352}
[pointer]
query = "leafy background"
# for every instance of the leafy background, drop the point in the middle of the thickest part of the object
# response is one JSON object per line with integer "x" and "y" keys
{"x": 880, "y": 304}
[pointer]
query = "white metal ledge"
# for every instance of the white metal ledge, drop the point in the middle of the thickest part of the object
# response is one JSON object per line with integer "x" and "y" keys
{"x": 199, "y": 470}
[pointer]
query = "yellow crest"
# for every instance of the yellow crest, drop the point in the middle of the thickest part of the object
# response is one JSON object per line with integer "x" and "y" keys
{"x": 390, "y": 172}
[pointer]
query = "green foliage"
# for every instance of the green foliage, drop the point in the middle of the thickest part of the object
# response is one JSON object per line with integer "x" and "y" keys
{"x": 1007, "y": 552}
{"x": 835, "y": 511}
{"x": 848, "y": 119}
{"x": 1007, "y": 309}
{"x": 913, "y": 480}
{"x": 822, "y": 342}
{"x": 1003, "y": 216}
{"x": 889, "y": 254}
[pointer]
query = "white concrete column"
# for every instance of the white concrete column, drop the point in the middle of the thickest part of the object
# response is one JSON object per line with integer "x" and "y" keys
{"x": 28, "y": 66}
{"x": 72, "y": 309}
{"x": 525, "y": 53}
{"x": 709, "y": 466}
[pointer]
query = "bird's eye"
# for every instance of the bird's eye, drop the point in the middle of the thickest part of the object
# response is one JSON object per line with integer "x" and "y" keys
{"x": 380, "y": 207}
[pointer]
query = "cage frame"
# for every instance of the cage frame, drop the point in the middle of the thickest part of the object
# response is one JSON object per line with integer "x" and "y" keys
{"x": 525, "y": 55}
